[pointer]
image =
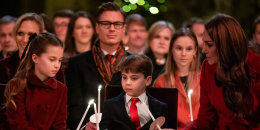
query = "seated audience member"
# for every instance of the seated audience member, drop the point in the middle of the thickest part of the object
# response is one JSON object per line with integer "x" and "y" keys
{"x": 197, "y": 26}
{"x": 26, "y": 25}
{"x": 35, "y": 100}
{"x": 61, "y": 21}
{"x": 182, "y": 71}
{"x": 81, "y": 34}
{"x": 158, "y": 43}
{"x": 230, "y": 79}
{"x": 6, "y": 37}
{"x": 127, "y": 111}
{"x": 254, "y": 44}
{"x": 98, "y": 66}
{"x": 136, "y": 33}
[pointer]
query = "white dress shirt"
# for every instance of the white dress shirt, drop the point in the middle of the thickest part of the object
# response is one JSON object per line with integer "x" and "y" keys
{"x": 144, "y": 117}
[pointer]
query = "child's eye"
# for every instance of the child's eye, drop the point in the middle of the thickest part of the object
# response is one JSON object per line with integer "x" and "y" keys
{"x": 123, "y": 77}
{"x": 52, "y": 59}
{"x": 189, "y": 48}
{"x": 134, "y": 78}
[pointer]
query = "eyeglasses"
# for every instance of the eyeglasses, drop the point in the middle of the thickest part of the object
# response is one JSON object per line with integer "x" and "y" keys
{"x": 107, "y": 25}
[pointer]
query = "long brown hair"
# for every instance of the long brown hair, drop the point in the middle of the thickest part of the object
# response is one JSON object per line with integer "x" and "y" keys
{"x": 171, "y": 67}
{"x": 232, "y": 71}
{"x": 70, "y": 47}
{"x": 37, "y": 46}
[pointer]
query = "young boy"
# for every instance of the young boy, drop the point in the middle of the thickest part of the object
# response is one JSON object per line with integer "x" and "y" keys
{"x": 121, "y": 112}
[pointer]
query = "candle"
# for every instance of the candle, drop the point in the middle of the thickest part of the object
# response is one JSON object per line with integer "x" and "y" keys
{"x": 99, "y": 89}
{"x": 96, "y": 115}
{"x": 189, "y": 97}
{"x": 151, "y": 115}
{"x": 85, "y": 113}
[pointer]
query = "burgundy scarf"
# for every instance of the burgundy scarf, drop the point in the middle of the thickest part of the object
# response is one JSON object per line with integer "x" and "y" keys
{"x": 105, "y": 68}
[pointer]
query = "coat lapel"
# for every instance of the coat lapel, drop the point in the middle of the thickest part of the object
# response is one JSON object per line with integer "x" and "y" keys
{"x": 121, "y": 99}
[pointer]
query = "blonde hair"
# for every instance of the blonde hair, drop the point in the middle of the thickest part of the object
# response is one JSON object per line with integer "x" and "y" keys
{"x": 28, "y": 17}
{"x": 155, "y": 29}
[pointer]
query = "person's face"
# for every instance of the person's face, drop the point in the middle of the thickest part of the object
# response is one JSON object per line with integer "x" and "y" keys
{"x": 6, "y": 37}
{"x": 198, "y": 30}
{"x": 256, "y": 35}
{"x": 183, "y": 51}
{"x": 209, "y": 48}
{"x": 160, "y": 42}
{"x": 110, "y": 35}
{"x": 61, "y": 26}
{"x": 135, "y": 84}
{"x": 23, "y": 33}
{"x": 83, "y": 31}
{"x": 137, "y": 35}
{"x": 48, "y": 63}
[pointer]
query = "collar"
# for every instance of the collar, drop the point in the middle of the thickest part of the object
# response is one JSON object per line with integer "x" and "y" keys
{"x": 142, "y": 97}
{"x": 105, "y": 52}
{"x": 34, "y": 81}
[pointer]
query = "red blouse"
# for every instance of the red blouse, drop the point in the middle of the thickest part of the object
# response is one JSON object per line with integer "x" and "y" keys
{"x": 40, "y": 106}
{"x": 183, "y": 114}
{"x": 213, "y": 112}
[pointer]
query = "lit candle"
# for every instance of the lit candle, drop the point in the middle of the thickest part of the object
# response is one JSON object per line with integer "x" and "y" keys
{"x": 96, "y": 115}
{"x": 151, "y": 115}
{"x": 189, "y": 97}
{"x": 99, "y": 89}
{"x": 85, "y": 113}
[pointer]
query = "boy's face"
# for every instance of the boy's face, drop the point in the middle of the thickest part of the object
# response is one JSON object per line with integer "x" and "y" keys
{"x": 134, "y": 84}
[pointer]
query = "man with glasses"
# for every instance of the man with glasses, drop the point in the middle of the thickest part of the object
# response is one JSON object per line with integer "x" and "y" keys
{"x": 96, "y": 67}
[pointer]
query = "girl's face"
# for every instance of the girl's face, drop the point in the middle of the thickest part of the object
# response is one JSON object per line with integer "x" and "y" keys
{"x": 161, "y": 42}
{"x": 209, "y": 48}
{"x": 83, "y": 31}
{"x": 48, "y": 63}
{"x": 23, "y": 33}
{"x": 183, "y": 51}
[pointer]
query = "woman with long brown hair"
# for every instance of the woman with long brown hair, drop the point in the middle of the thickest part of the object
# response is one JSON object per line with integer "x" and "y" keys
{"x": 34, "y": 99}
{"x": 182, "y": 71}
{"x": 230, "y": 78}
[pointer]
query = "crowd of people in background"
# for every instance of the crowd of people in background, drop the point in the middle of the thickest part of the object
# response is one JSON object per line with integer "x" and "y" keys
{"x": 50, "y": 68}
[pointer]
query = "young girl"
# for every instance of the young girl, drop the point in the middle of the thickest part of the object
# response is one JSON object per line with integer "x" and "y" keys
{"x": 35, "y": 100}
{"x": 183, "y": 73}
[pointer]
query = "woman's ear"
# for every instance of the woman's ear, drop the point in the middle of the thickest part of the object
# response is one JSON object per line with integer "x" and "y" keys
{"x": 148, "y": 80}
{"x": 35, "y": 58}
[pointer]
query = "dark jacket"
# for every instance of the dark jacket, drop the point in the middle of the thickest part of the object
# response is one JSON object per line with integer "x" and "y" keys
{"x": 83, "y": 79}
{"x": 115, "y": 116}
{"x": 157, "y": 69}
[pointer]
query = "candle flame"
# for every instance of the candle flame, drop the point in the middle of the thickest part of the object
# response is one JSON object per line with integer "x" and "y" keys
{"x": 91, "y": 101}
{"x": 99, "y": 87}
{"x": 190, "y": 92}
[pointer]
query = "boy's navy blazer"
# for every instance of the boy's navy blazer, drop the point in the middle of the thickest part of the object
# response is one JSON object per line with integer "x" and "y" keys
{"x": 115, "y": 116}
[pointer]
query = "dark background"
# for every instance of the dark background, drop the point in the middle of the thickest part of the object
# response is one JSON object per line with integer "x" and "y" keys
{"x": 178, "y": 11}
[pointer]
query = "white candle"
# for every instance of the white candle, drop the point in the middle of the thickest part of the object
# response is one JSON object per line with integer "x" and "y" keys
{"x": 85, "y": 113}
{"x": 151, "y": 115}
{"x": 189, "y": 97}
{"x": 99, "y": 89}
{"x": 97, "y": 122}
